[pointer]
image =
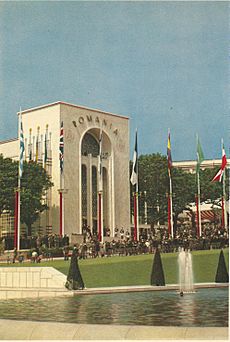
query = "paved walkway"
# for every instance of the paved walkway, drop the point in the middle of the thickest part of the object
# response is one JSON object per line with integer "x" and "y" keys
{"x": 27, "y": 330}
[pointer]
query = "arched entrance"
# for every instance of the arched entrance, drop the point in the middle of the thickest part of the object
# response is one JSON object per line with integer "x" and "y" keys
{"x": 90, "y": 151}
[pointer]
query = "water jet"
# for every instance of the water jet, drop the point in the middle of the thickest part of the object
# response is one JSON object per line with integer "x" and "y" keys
{"x": 186, "y": 284}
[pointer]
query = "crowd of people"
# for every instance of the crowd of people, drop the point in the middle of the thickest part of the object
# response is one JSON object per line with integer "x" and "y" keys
{"x": 31, "y": 242}
{"x": 123, "y": 243}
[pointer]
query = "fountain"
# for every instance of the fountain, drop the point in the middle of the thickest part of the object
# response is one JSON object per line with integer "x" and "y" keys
{"x": 186, "y": 284}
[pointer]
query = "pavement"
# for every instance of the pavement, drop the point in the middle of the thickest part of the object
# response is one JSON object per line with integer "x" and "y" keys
{"x": 28, "y": 330}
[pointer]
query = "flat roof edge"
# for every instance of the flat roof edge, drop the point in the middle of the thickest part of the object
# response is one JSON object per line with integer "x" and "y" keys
{"x": 8, "y": 141}
{"x": 72, "y": 105}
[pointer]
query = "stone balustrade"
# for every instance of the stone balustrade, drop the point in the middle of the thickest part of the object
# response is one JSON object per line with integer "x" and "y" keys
{"x": 22, "y": 282}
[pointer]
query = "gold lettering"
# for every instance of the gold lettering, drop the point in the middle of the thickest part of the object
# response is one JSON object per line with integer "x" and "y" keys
{"x": 81, "y": 120}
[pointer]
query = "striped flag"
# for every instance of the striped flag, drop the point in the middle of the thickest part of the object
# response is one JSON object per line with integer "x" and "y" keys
{"x": 22, "y": 149}
{"x": 134, "y": 177}
{"x": 219, "y": 174}
{"x": 169, "y": 155}
{"x": 61, "y": 147}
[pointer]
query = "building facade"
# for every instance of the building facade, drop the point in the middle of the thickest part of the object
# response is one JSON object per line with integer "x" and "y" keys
{"x": 79, "y": 181}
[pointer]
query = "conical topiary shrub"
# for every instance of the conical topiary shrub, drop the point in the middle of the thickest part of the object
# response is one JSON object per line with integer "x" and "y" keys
{"x": 221, "y": 273}
{"x": 157, "y": 275}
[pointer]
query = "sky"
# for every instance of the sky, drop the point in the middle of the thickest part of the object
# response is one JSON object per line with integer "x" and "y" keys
{"x": 165, "y": 65}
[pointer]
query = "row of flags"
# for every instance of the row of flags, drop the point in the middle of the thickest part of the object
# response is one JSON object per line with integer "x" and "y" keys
{"x": 200, "y": 158}
{"x": 22, "y": 148}
{"x": 30, "y": 152}
{"x": 134, "y": 174}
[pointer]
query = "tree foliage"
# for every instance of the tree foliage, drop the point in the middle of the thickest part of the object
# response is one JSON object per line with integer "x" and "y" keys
{"x": 154, "y": 188}
{"x": 34, "y": 183}
{"x": 222, "y": 272}
{"x": 8, "y": 184}
{"x": 157, "y": 275}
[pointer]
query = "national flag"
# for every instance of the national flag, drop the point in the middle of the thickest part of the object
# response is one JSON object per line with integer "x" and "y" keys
{"x": 200, "y": 155}
{"x": 134, "y": 177}
{"x": 22, "y": 149}
{"x": 45, "y": 153}
{"x": 169, "y": 155}
{"x": 100, "y": 162}
{"x": 219, "y": 174}
{"x": 36, "y": 152}
{"x": 30, "y": 147}
{"x": 100, "y": 154}
{"x": 61, "y": 147}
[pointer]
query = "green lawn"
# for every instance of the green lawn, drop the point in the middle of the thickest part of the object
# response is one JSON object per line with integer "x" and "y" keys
{"x": 136, "y": 270}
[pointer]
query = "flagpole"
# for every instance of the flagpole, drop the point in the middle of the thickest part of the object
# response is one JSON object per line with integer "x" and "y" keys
{"x": 171, "y": 209}
{"x": 224, "y": 211}
{"x": 198, "y": 205}
{"x": 61, "y": 190}
{"x": 100, "y": 227}
{"x": 134, "y": 181}
{"x": 137, "y": 208}
{"x": 19, "y": 181}
{"x": 200, "y": 158}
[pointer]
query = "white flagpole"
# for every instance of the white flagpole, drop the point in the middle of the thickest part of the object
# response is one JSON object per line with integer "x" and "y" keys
{"x": 171, "y": 207}
{"x": 198, "y": 199}
{"x": 134, "y": 181}
{"x": 100, "y": 191}
{"x": 19, "y": 181}
{"x": 137, "y": 204}
{"x": 198, "y": 189}
{"x": 170, "y": 184}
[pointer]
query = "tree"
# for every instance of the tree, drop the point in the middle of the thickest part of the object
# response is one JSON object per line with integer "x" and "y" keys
{"x": 157, "y": 275}
{"x": 153, "y": 178}
{"x": 34, "y": 183}
{"x": 8, "y": 183}
{"x": 184, "y": 188}
{"x": 221, "y": 273}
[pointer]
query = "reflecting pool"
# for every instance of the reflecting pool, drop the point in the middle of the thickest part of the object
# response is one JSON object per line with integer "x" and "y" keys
{"x": 206, "y": 307}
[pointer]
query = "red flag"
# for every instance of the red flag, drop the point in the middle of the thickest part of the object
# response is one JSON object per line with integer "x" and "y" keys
{"x": 219, "y": 174}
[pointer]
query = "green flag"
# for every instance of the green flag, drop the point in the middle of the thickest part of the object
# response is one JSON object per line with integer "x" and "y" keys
{"x": 200, "y": 155}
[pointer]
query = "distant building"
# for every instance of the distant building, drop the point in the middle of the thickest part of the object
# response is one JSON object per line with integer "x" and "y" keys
{"x": 190, "y": 165}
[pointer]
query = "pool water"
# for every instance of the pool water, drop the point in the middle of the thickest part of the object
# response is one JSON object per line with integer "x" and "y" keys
{"x": 206, "y": 307}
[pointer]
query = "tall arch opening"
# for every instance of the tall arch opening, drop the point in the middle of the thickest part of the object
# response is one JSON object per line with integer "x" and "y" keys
{"x": 90, "y": 151}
